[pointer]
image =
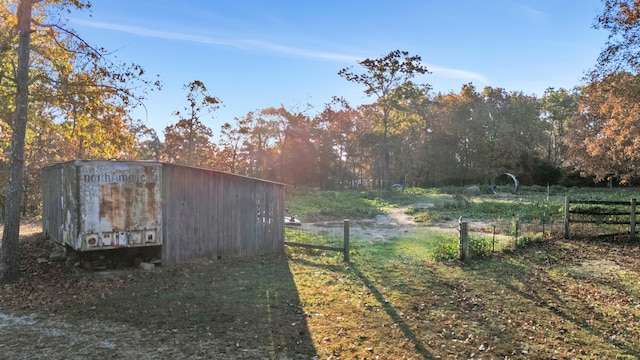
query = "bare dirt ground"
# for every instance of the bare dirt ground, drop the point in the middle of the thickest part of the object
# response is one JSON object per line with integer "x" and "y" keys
{"x": 396, "y": 223}
{"x": 30, "y": 326}
{"x": 383, "y": 227}
{"x": 60, "y": 311}
{"x": 51, "y": 314}
{"x": 26, "y": 229}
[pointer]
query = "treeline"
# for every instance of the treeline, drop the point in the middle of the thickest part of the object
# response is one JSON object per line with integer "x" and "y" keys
{"x": 443, "y": 139}
{"x": 446, "y": 139}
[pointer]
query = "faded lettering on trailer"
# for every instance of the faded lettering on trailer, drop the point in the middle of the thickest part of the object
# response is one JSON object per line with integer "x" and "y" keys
{"x": 120, "y": 205}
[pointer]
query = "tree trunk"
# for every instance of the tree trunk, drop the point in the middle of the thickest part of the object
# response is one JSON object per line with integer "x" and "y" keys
{"x": 387, "y": 165}
{"x": 387, "y": 151}
{"x": 10, "y": 255}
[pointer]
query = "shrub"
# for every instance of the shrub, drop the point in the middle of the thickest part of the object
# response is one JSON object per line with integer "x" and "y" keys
{"x": 410, "y": 210}
{"x": 447, "y": 248}
{"x": 479, "y": 247}
{"x": 527, "y": 239}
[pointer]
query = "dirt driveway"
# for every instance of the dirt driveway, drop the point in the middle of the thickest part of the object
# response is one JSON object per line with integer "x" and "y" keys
{"x": 395, "y": 223}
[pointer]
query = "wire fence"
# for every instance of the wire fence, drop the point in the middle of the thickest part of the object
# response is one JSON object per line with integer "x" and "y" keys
{"x": 583, "y": 219}
{"x": 480, "y": 241}
{"x": 484, "y": 237}
{"x": 503, "y": 234}
{"x": 320, "y": 236}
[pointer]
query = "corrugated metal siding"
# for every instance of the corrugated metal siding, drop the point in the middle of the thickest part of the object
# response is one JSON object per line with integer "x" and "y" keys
{"x": 60, "y": 216}
{"x": 209, "y": 214}
{"x": 51, "y": 184}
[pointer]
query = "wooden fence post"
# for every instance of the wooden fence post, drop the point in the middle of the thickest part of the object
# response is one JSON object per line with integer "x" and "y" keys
{"x": 346, "y": 241}
{"x": 493, "y": 239}
{"x": 464, "y": 241}
{"x": 632, "y": 220}
{"x": 566, "y": 217}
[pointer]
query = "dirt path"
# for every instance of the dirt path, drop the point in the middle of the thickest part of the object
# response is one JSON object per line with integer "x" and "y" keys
{"x": 394, "y": 224}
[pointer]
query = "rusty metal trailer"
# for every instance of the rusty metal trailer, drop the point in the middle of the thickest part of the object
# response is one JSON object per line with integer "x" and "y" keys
{"x": 188, "y": 212}
{"x": 93, "y": 205}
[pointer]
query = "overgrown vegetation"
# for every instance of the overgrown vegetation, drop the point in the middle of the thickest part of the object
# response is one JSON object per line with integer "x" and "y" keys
{"x": 530, "y": 203}
{"x": 332, "y": 205}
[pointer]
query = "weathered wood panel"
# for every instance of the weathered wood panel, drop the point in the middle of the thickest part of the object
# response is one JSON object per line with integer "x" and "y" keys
{"x": 210, "y": 214}
{"x": 52, "y": 183}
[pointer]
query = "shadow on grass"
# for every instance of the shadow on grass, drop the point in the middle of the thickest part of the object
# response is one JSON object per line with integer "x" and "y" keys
{"x": 388, "y": 307}
{"x": 542, "y": 291}
{"x": 239, "y": 309}
{"x": 393, "y": 313}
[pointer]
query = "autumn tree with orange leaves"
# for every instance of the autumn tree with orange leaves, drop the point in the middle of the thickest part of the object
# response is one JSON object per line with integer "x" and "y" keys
{"x": 605, "y": 134}
{"x": 58, "y": 92}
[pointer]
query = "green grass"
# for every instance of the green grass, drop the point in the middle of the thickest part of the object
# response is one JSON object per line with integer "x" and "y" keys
{"x": 416, "y": 247}
{"x": 449, "y": 204}
{"x": 395, "y": 301}
{"x": 330, "y": 205}
{"x": 531, "y": 202}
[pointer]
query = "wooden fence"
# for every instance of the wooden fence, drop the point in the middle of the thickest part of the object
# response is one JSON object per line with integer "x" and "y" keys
{"x": 600, "y": 213}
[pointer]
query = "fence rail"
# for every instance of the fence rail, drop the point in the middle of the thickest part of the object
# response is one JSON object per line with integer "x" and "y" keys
{"x": 600, "y": 213}
{"x": 344, "y": 249}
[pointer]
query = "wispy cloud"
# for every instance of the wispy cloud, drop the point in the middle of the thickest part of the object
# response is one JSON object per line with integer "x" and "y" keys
{"x": 247, "y": 44}
{"x": 532, "y": 12}
{"x": 251, "y": 44}
{"x": 527, "y": 11}
{"x": 456, "y": 73}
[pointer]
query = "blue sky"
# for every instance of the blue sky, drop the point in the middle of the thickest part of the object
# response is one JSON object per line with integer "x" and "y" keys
{"x": 257, "y": 54}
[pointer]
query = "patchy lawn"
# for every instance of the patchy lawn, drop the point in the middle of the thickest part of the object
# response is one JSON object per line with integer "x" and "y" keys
{"x": 554, "y": 299}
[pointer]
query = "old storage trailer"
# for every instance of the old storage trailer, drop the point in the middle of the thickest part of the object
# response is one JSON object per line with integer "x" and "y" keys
{"x": 92, "y": 205}
{"x": 189, "y": 212}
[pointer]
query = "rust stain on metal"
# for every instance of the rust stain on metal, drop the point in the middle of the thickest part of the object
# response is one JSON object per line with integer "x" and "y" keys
{"x": 129, "y": 206}
{"x": 120, "y": 205}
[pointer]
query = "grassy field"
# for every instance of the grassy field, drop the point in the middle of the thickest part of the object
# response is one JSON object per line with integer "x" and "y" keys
{"x": 448, "y": 204}
{"x": 550, "y": 299}
{"x": 553, "y": 299}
